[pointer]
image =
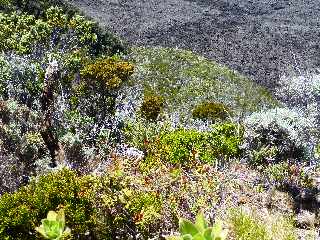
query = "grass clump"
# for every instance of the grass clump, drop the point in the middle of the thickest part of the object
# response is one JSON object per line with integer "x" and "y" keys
{"x": 250, "y": 226}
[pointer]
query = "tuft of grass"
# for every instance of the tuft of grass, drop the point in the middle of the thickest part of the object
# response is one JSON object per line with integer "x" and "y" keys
{"x": 185, "y": 79}
{"x": 251, "y": 226}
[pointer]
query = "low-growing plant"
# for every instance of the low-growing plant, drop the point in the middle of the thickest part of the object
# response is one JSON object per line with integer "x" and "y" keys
{"x": 53, "y": 227}
{"x": 250, "y": 226}
{"x": 199, "y": 230}
{"x": 211, "y": 111}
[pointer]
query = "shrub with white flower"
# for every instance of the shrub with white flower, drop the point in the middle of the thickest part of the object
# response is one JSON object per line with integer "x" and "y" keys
{"x": 277, "y": 135}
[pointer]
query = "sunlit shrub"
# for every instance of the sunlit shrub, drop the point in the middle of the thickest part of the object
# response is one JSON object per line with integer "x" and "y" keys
{"x": 22, "y": 211}
{"x": 24, "y": 33}
{"x": 211, "y": 111}
{"x": 107, "y": 73}
{"x": 277, "y": 135}
{"x": 187, "y": 146}
{"x": 151, "y": 107}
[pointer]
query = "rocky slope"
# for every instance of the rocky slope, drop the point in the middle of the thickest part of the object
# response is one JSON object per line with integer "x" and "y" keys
{"x": 261, "y": 39}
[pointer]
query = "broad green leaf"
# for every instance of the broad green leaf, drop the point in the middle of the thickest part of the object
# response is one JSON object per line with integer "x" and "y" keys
{"x": 201, "y": 222}
{"x": 187, "y": 237}
{"x": 207, "y": 234}
{"x": 187, "y": 227}
{"x": 52, "y": 216}
{"x": 198, "y": 236}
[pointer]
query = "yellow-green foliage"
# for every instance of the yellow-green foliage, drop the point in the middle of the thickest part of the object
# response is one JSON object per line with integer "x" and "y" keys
{"x": 151, "y": 107}
{"x": 105, "y": 207}
{"x": 186, "y": 146}
{"x": 211, "y": 111}
{"x": 22, "y": 32}
{"x": 22, "y": 211}
{"x": 245, "y": 226}
{"x": 108, "y": 73}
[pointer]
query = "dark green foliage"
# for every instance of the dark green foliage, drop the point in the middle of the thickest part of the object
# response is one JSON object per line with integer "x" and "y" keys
{"x": 106, "y": 42}
{"x": 151, "y": 107}
{"x": 25, "y": 33}
{"x": 211, "y": 111}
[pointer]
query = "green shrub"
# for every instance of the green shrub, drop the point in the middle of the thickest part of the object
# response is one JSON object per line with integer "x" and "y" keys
{"x": 24, "y": 33}
{"x": 107, "y": 73}
{"x": 95, "y": 207}
{"x": 100, "y": 82}
{"x": 22, "y": 211}
{"x": 151, "y": 107}
{"x": 186, "y": 146}
{"x": 211, "y": 111}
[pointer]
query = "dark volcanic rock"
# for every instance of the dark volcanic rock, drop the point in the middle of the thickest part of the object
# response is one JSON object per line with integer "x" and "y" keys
{"x": 260, "y": 38}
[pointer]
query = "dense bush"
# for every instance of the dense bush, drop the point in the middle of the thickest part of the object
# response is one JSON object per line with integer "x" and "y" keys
{"x": 21, "y": 146}
{"x": 106, "y": 42}
{"x": 24, "y": 33}
{"x": 95, "y": 207}
{"x": 151, "y": 107}
{"x": 187, "y": 146}
{"x": 211, "y": 111}
{"x": 277, "y": 135}
{"x": 22, "y": 211}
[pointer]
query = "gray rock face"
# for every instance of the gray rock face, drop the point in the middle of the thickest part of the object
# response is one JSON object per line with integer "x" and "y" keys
{"x": 260, "y": 38}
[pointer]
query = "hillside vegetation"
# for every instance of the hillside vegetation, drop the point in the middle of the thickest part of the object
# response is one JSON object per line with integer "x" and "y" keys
{"x": 100, "y": 140}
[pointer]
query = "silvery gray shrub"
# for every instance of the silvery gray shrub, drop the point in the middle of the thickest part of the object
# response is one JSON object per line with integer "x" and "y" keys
{"x": 277, "y": 135}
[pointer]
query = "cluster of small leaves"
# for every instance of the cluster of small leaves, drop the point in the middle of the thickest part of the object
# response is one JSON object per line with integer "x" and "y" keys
{"x": 22, "y": 211}
{"x": 95, "y": 207}
{"x": 211, "y": 111}
{"x": 288, "y": 174}
{"x": 151, "y": 107}
{"x": 107, "y": 73}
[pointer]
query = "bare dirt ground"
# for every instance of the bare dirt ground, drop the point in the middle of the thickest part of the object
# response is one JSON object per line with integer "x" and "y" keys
{"x": 262, "y": 39}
